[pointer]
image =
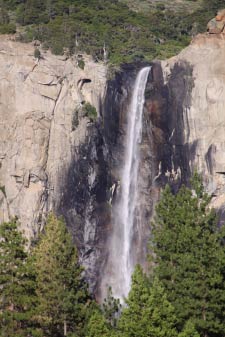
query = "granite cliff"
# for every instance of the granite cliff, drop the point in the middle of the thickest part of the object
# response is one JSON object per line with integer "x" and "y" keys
{"x": 55, "y": 157}
{"x": 189, "y": 105}
{"x": 47, "y": 138}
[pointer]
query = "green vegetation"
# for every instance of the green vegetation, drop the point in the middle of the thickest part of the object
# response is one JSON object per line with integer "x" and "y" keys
{"x": 189, "y": 6}
{"x": 2, "y": 189}
{"x": 107, "y": 29}
{"x": 44, "y": 294}
{"x": 189, "y": 254}
{"x": 97, "y": 326}
{"x": 37, "y": 53}
{"x": 17, "y": 296}
{"x": 90, "y": 111}
{"x": 148, "y": 311}
{"x": 81, "y": 64}
{"x": 61, "y": 290}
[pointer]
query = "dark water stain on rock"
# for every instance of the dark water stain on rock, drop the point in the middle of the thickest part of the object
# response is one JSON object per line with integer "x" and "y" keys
{"x": 91, "y": 184}
{"x": 168, "y": 104}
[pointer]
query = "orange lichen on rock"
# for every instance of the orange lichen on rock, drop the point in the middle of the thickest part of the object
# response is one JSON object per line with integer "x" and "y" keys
{"x": 217, "y": 24}
{"x": 219, "y": 18}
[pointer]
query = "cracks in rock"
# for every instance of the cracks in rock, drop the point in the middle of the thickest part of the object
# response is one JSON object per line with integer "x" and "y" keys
{"x": 44, "y": 204}
{"x": 49, "y": 84}
{"x": 57, "y": 98}
{"x": 53, "y": 113}
{"x": 2, "y": 189}
{"x": 47, "y": 97}
{"x": 31, "y": 71}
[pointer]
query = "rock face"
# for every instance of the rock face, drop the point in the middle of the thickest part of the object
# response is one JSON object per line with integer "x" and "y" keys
{"x": 216, "y": 25}
{"x": 53, "y": 156}
{"x": 45, "y": 132}
{"x": 186, "y": 103}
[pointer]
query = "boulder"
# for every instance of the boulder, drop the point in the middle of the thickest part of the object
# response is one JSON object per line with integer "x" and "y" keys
{"x": 217, "y": 24}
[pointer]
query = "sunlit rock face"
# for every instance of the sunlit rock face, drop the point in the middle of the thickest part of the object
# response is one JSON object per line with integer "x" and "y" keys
{"x": 187, "y": 103}
{"x": 43, "y": 129}
{"x": 55, "y": 158}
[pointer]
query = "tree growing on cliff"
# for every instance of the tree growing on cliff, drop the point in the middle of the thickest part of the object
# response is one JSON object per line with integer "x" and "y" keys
{"x": 62, "y": 292}
{"x": 17, "y": 283}
{"x": 188, "y": 250}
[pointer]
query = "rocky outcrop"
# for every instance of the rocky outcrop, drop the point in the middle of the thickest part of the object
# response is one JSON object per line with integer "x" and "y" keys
{"x": 45, "y": 131}
{"x": 53, "y": 156}
{"x": 186, "y": 101}
{"x": 217, "y": 24}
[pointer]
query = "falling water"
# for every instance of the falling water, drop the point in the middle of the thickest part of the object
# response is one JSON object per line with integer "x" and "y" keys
{"x": 122, "y": 264}
{"x": 130, "y": 173}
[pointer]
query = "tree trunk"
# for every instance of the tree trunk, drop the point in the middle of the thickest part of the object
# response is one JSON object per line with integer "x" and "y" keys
{"x": 65, "y": 328}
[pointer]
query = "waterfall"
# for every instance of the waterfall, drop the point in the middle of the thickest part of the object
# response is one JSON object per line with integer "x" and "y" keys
{"x": 121, "y": 264}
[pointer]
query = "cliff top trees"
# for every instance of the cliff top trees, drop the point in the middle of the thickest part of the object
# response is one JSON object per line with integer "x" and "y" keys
{"x": 189, "y": 254}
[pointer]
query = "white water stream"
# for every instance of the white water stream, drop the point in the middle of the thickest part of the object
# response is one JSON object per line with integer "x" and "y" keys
{"x": 121, "y": 264}
{"x": 129, "y": 182}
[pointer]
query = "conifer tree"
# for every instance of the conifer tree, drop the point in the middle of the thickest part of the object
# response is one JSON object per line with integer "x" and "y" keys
{"x": 61, "y": 289}
{"x": 189, "y": 330}
{"x": 188, "y": 250}
{"x": 98, "y": 326}
{"x": 32, "y": 12}
{"x": 4, "y": 16}
{"x": 17, "y": 283}
{"x": 148, "y": 312}
{"x": 111, "y": 308}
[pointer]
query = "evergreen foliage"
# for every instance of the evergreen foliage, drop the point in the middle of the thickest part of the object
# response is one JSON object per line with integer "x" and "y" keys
{"x": 148, "y": 312}
{"x": 17, "y": 283}
{"x": 37, "y": 53}
{"x": 90, "y": 111}
{"x": 62, "y": 292}
{"x": 189, "y": 330}
{"x": 111, "y": 308}
{"x": 44, "y": 294}
{"x": 188, "y": 251}
{"x": 98, "y": 326}
{"x": 100, "y": 27}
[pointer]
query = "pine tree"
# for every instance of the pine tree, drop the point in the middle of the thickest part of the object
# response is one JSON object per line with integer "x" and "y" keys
{"x": 33, "y": 12}
{"x": 111, "y": 308}
{"x": 61, "y": 289}
{"x": 17, "y": 283}
{"x": 148, "y": 312}
{"x": 189, "y": 330}
{"x": 98, "y": 326}
{"x": 4, "y": 16}
{"x": 188, "y": 251}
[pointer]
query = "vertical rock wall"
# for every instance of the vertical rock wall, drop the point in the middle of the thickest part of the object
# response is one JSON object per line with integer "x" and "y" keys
{"x": 43, "y": 126}
{"x": 54, "y": 157}
{"x": 186, "y": 102}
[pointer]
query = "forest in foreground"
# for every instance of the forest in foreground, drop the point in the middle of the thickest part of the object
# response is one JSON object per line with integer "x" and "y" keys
{"x": 43, "y": 293}
{"x": 106, "y": 29}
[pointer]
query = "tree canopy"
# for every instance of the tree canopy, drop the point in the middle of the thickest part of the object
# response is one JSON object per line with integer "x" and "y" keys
{"x": 100, "y": 27}
{"x": 62, "y": 292}
{"x": 188, "y": 251}
{"x": 17, "y": 283}
{"x": 43, "y": 293}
